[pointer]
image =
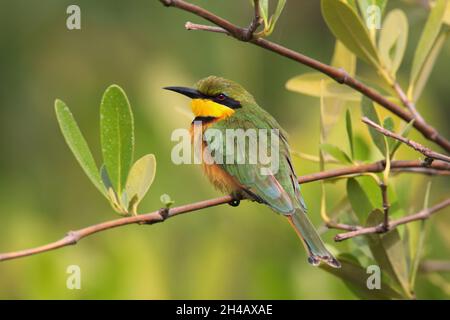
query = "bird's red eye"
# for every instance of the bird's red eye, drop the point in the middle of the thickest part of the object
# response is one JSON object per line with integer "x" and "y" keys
{"x": 221, "y": 97}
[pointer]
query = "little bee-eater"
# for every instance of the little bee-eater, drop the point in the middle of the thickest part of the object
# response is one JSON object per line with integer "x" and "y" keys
{"x": 222, "y": 104}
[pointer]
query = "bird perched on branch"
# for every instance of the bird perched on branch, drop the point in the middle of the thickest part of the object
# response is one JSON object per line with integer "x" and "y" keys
{"x": 221, "y": 106}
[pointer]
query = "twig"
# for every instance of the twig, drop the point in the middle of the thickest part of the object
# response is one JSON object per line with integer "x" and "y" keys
{"x": 256, "y": 22}
{"x": 386, "y": 205}
{"x": 407, "y": 103}
{"x": 415, "y": 145}
{"x": 340, "y": 75}
{"x": 73, "y": 237}
{"x": 426, "y": 171}
{"x": 194, "y": 26}
{"x": 428, "y": 266}
{"x": 374, "y": 167}
{"x": 422, "y": 215}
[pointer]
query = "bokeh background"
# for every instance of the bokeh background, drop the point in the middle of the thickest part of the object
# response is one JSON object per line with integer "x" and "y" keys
{"x": 223, "y": 252}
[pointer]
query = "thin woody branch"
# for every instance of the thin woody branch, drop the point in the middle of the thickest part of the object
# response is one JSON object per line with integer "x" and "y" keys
{"x": 429, "y": 266}
{"x": 194, "y": 26}
{"x": 161, "y": 215}
{"x": 415, "y": 145}
{"x": 407, "y": 103}
{"x": 256, "y": 22}
{"x": 340, "y": 75}
{"x": 381, "y": 228}
{"x": 386, "y": 205}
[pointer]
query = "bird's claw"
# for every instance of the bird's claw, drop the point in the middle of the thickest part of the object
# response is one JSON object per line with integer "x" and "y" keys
{"x": 234, "y": 202}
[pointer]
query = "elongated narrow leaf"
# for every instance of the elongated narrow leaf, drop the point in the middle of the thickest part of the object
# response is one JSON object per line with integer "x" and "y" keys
{"x": 264, "y": 11}
{"x": 139, "y": 180}
{"x": 336, "y": 152}
{"x": 446, "y": 18}
{"x": 388, "y": 251}
{"x": 369, "y": 111}
{"x": 419, "y": 246}
{"x": 112, "y": 195}
{"x": 80, "y": 149}
{"x": 310, "y": 84}
{"x": 276, "y": 15}
{"x": 405, "y": 132}
{"x": 427, "y": 39}
{"x": 372, "y": 190}
{"x": 348, "y": 126}
{"x": 362, "y": 150}
{"x": 346, "y": 26}
{"x": 117, "y": 135}
{"x": 388, "y": 124}
{"x": 356, "y": 278}
{"x": 393, "y": 39}
{"x": 414, "y": 92}
{"x": 359, "y": 200}
{"x": 352, "y": 4}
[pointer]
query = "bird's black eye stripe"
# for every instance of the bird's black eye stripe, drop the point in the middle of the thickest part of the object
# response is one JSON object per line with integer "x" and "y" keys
{"x": 226, "y": 101}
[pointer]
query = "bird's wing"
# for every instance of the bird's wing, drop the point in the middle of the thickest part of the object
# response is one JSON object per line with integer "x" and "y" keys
{"x": 277, "y": 189}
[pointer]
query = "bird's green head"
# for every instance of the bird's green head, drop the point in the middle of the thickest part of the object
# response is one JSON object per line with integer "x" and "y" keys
{"x": 215, "y": 97}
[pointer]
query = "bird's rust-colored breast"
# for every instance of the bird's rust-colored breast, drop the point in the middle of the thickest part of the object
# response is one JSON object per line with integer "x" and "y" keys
{"x": 221, "y": 180}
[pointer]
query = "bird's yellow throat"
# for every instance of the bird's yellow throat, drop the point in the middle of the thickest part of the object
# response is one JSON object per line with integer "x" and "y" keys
{"x": 209, "y": 108}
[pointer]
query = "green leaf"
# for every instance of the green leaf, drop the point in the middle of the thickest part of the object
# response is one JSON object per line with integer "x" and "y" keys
{"x": 139, "y": 180}
{"x": 78, "y": 144}
{"x": 336, "y": 152}
{"x": 111, "y": 194}
{"x": 393, "y": 39}
{"x": 346, "y": 26}
{"x": 369, "y": 111}
{"x": 446, "y": 18}
{"x": 405, "y": 132}
{"x": 352, "y": 4}
{"x": 264, "y": 11}
{"x": 276, "y": 15}
{"x": 418, "y": 248}
{"x": 372, "y": 190}
{"x": 117, "y": 135}
{"x": 310, "y": 84}
{"x": 415, "y": 91}
{"x": 355, "y": 277}
{"x": 166, "y": 200}
{"x": 348, "y": 125}
{"x": 359, "y": 200}
{"x": 427, "y": 39}
{"x": 388, "y": 251}
{"x": 362, "y": 150}
{"x": 388, "y": 124}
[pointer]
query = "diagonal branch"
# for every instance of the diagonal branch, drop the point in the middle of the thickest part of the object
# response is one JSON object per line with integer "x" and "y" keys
{"x": 415, "y": 145}
{"x": 407, "y": 103}
{"x": 73, "y": 237}
{"x": 381, "y": 228}
{"x": 340, "y": 75}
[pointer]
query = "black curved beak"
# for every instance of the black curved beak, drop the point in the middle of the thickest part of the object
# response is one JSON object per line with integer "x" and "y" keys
{"x": 189, "y": 92}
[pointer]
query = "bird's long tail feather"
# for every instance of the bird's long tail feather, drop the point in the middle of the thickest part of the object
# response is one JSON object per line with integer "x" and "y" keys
{"x": 311, "y": 240}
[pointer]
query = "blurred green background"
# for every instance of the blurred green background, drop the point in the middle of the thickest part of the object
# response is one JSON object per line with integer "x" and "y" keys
{"x": 223, "y": 252}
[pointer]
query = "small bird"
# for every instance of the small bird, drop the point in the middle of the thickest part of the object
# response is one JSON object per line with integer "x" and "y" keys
{"x": 221, "y": 104}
